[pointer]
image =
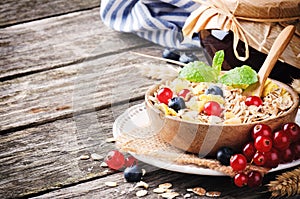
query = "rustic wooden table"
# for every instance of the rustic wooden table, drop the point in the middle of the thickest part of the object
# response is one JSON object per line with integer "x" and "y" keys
{"x": 61, "y": 71}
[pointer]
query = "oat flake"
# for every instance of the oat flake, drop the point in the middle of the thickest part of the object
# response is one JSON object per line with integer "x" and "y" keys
{"x": 170, "y": 195}
{"x": 213, "y": 193}
{"x": 141, "y": 193}
{"x": 84, "y": 157}
{"x": 111, "y": 184}
{"x": 199, "y": 191}
{"x": 165, "y": 185}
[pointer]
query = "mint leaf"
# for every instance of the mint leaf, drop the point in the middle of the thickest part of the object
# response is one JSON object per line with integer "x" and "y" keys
{"x": 218, "y": 60}
{"x": 239, "y": 77}
{"x": 198, "y": 72}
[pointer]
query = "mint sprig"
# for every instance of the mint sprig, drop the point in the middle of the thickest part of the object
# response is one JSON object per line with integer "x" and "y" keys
{"x": 238, "y": 77}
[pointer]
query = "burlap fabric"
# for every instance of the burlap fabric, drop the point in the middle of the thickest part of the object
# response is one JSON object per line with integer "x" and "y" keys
{"x": 255, "y": 22}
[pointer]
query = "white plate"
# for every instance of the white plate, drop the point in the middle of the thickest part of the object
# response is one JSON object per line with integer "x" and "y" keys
{"x": 135, "y": 119}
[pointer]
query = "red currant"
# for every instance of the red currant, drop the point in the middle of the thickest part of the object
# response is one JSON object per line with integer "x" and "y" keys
{"x": 254, "y": 179}
{"x": 241, "y": 179}
{"x": 273, "y": 158}
{"x": 249, "y": 151}
{"x": 238, "y": 162}
{"x": 261, "y": 129}
{"x": 130, "y": 161}
{"x": 281, "y": 140}
{"x": 296, "y": 149}
{"x": 293, "y": 130}
{"x": 212, "y": 108}
{"x": 183, "y": 93}
{"x": 164, "y": 94}
{"x": 259, "y": 158}
{"x": 263, "y": 143}
{"x": 287, "y": 155}
{"x": 115, "y": 160}
{"x": 253, "y": 100}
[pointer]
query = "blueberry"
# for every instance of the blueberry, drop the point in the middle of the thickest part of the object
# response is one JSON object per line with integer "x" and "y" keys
{"x": 188, "y": 57}
{"x": 171, "y": 54}
{"x": 133, "y": 173}
{"x": 224, "y": 154}
{"x": 214, "y": 90}
{"x": 177, "y": 103}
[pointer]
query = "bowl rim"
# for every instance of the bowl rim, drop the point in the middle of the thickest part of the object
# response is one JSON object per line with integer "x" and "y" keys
{"x": 294, "y": 95}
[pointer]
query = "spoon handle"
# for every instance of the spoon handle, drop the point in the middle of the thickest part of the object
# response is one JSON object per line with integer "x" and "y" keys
{"x": 276, "y": 50}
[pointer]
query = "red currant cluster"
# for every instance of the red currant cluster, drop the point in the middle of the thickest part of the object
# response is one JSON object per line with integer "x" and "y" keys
{"x": 117, "y": 161}
{"x": 267, "y": 149}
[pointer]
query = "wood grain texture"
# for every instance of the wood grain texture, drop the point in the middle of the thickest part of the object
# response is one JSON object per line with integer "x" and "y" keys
{"x": 83, "y": 87}
{"x": 46, "y": 157}
{"x": 181, "y": 182}
{"x": 59, "y": 41}
{"x": 13, "y": 12}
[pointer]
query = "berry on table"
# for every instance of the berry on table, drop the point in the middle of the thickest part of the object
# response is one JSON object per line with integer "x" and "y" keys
{"x": 115, "y": 160}
{"x": 130, "y": 161}
{"x": 296, "y": 149}
{"x": 214, "y": 90}
{"x": 224, "y": 154}
{"x": 188, "y": 57}
{"x": 287, "y": 155}
{"x": 241, "y": 179}
{"x": 212, "y": 108}
{"x": 238, "y": 162}
{"x": 133, "y": 174}
{"x": 261, "y": 129}
{"x": 254, "y": 179}
{"x": 253, "y": 100}
{"x": 177, "y": 103}
{"x": 249, "y": 151}
{"x": 272, "y": 158}
{"x": 164, "y": 95}
{"x": 172, "y": 54}
{"x": 281, "y": 140}
{"x": 263, "y": 143}
{"x": 259, "y": 158}
{"x": 293, "y": 130}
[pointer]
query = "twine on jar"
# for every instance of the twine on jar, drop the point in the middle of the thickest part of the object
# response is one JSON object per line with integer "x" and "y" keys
{"x": 214, "y": 14}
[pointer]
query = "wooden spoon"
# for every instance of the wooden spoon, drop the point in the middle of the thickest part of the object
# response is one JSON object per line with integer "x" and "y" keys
{"x": 276, "y": 50}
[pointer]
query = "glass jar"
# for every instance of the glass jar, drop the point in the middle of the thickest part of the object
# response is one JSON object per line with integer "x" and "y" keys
{"x": 211, "y": 43}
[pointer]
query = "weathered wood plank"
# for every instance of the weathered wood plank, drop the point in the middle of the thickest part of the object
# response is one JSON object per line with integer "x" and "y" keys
{"x": 58, "y": 41}
{"x": 181, "y": 182}
{"x": 47, "y": 156}
{"x": 13, "y": 12}
{"x": 59, "y": 93}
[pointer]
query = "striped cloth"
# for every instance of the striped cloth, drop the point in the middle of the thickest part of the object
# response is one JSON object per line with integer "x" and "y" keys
{"x": 159, "y": 21}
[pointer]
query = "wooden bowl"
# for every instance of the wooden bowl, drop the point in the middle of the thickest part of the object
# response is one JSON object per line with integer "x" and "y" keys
{"x": 206, "y": 139}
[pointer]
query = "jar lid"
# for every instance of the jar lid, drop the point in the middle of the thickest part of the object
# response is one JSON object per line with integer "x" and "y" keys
{"x": 257, "y": 23}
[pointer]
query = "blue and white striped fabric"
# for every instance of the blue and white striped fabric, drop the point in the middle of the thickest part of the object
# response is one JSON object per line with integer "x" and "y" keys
{"x": 159, "y": 21}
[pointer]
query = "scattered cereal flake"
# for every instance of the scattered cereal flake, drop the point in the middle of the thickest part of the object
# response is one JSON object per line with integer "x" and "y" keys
{"x": 143, "y": 172}
{"x": 159, "y": 190}
{"x": 187, "y": 195}
{"x": 170, "y": 195}
{"x": 96, "y": 157}
{"x": 213, "y": 193}
{"x": 165, "y": 185}
{"x": 103, "y": 165}
{"x": 111, "y": 184}
{"x": 199, "y": 191}
{"x": 141, "y": 193}
{"x": 110, "y": 140}
{"x": 84, "y": 157}
{"x": 142, "y": 184}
